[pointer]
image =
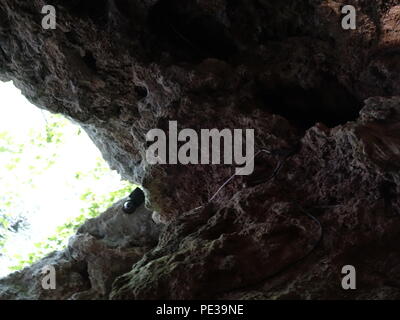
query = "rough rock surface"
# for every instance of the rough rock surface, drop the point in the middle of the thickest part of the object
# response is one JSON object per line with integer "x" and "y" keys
{"x": 284, "y": 68}
{"x": 103, "y": 248}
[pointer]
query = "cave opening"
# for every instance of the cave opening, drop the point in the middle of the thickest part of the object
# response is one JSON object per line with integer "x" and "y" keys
{"x": 47, "y": 191}
{"x": 330, "y": 103}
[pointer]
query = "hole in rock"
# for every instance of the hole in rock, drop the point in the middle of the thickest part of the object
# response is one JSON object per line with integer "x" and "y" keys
{"x": 141, "y": 92}
{"x": 90, "y": 60}
{"x": 331, "y": 104}
{"x": 188, "y": 33}
{"x": 47, "y": 192}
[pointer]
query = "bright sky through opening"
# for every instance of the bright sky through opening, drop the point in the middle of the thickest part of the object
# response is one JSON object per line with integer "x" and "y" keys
{"x": 54, "y": 195}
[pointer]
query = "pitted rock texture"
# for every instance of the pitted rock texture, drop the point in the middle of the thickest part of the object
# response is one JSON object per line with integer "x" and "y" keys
{"x": 103, "y": 249}
{"x": 264, "y": 243}
{"x": 328, "y": 96}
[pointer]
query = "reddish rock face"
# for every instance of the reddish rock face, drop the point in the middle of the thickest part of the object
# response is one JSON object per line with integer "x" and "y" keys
{"x": 326, "y": 96}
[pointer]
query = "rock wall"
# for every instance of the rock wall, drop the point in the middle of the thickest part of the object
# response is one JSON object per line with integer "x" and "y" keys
{"x": 326, "y": 100}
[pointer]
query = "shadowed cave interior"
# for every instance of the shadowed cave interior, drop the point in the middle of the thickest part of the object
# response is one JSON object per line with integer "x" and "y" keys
{"x": 286, "y": 69}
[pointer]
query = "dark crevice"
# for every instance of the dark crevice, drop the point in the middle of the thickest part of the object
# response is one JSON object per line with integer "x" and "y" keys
{"x": 141, "y": 92}
{"x": 330, "y": 103}
{"x": 72, "y": 37}
{"x": 90, "y": 61}
{"x": 85, "y": 272}
{"x": 283, "y": 19}
{"x": 187, "y": 33}
{"x": 124, "y": 7}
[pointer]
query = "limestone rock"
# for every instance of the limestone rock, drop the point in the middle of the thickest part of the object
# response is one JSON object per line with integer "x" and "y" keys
{"x": 103, "y": 248}
{"x": 284, "y": 68}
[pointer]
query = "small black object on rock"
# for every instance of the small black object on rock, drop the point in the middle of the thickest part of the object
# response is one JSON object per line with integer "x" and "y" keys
{"x": 135, "y": 200}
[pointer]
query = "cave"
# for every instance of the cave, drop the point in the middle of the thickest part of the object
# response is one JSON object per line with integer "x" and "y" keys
{"x": 325, "y": 109}
{"x": 330, "y": 103}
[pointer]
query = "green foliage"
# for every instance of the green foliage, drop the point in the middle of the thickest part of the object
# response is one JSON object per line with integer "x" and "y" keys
{"x": 9, "y": 223}
{"x": 96, "y": 205}
{"x": 25, "y": 162}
